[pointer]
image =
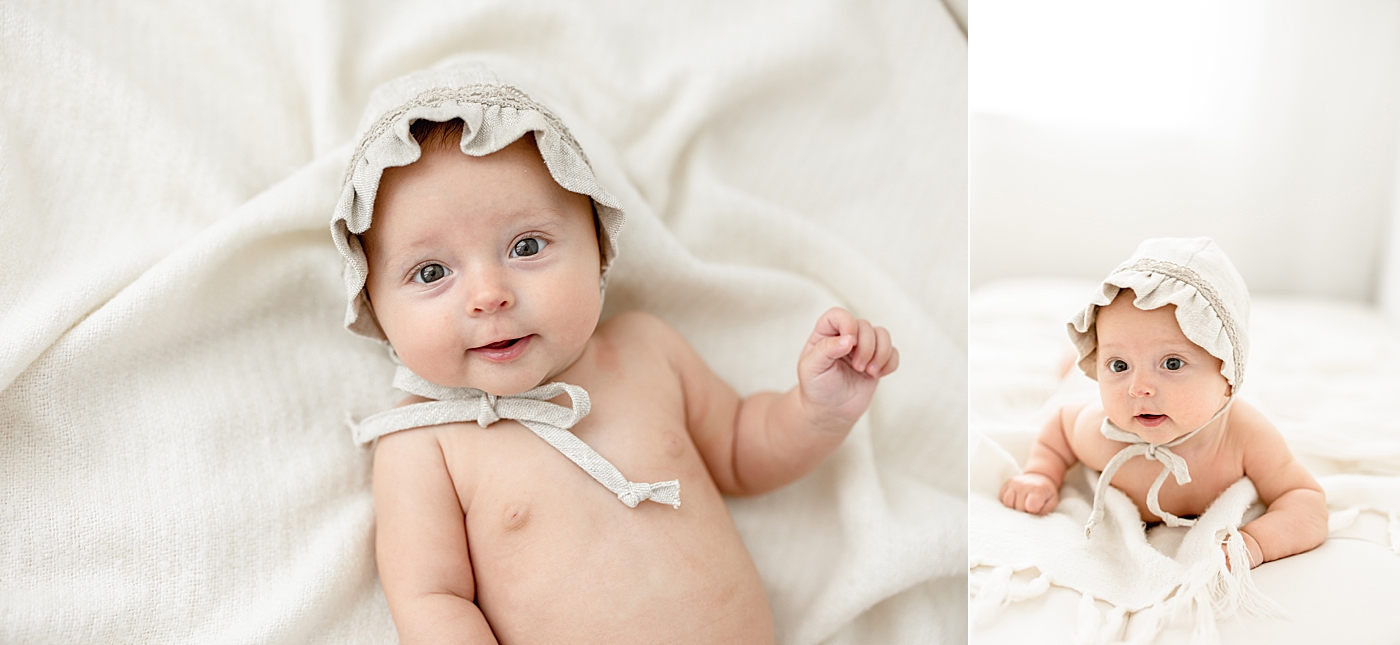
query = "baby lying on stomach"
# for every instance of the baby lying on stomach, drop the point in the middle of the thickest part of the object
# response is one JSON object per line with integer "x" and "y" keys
{"x": 1166, "y": 339}
{"x": 484, "y": 272}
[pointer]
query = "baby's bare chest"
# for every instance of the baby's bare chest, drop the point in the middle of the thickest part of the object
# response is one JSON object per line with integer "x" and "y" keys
{"x": 542, "y": 532}
{"x": 1214, "y": 462}
{"x": 1210, "y": 471}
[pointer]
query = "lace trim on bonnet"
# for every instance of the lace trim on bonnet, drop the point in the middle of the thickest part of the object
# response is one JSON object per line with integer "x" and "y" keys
{"x": 482, "y": 93}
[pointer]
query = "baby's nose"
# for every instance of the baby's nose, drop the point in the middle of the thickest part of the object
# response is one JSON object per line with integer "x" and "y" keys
{"x": 490, "y": 294}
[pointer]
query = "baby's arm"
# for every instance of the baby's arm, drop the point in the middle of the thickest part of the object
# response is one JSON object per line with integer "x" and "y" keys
{"x": 1037, "y": 489}
{"x": 1296, "y": 520}
{"x": 759, "y": 443}
{"x": 421, "y": 544}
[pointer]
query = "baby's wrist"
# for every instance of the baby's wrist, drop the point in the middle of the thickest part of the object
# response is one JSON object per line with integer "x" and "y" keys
{"x": 820, "y": 417}
{"x": 1051, "y": 480}
{"x": 1252, "y": 548}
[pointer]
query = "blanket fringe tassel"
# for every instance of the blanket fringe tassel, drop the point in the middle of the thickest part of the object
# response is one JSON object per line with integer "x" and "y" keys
{"x": 1213, "y": 592}
{"x": 999, "y": 590}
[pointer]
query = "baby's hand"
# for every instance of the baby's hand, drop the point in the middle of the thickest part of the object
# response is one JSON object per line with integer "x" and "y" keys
{"x": 1252, "y": 551}
{"x": 1031, "y": 492}
{"x": 841, "y": 364}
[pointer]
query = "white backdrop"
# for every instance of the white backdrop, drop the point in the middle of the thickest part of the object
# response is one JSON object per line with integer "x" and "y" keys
{"x": 1270, "y": 126}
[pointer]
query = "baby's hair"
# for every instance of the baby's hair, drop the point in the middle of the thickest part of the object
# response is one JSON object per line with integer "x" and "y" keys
{"x": 437, "y": 135}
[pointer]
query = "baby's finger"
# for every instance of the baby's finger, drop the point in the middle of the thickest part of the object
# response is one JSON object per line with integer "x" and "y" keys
{"x": 1035, "y": 500}
{"x": 865, "y": 346}
{"x": 1018, "y": 498}
{"x": 883, "y": 349}
{"x": 892, "y": 364}
{"x": 834, "y": 322}
{"x": 835, "y": 347}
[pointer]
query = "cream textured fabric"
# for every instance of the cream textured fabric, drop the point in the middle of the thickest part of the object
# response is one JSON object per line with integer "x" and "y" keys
{"x": 1212, "y": 302}
{"x": 532, "y": 409}
{"x": 174, "y": 366}
{"x": 495, "y": 115}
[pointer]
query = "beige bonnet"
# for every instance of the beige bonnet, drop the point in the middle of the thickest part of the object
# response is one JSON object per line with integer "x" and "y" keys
{"x": 1212, "y": 302}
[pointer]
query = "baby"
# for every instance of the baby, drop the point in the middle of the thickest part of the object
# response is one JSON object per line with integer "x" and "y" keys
{"x": 1165, "y": 338}
{"x": 477, "y": 243}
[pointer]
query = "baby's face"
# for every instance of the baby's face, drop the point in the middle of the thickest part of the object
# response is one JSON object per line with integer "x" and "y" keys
{"x": 483, "y": 272}
{"x": 1154, "y": 382}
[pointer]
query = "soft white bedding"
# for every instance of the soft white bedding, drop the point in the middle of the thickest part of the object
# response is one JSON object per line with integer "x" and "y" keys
{"x": 1325, "y": 372}
{"x": 173, "y": 373}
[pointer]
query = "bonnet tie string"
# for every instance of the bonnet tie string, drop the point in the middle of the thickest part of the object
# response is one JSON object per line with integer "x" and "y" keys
{"x": 532, "y": 408}
{"x": 1171, "y": 463}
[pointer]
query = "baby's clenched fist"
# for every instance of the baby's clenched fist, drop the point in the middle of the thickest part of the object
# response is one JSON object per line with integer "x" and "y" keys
{"x": 1031, "y": 492}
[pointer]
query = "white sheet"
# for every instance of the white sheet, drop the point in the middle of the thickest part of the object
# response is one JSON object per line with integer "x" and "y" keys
{"x": 176, "y": 467}
{"x": 1323, "y": 371}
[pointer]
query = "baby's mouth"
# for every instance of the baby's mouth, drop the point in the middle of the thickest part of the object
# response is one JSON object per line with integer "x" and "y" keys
{"x": 500, "y": 344}
{"x": 503, "y": 350}
{"x": 1151, "y": 420}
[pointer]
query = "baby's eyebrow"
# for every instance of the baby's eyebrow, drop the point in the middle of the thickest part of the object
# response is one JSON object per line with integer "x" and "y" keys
{"x": 401, "y": 258}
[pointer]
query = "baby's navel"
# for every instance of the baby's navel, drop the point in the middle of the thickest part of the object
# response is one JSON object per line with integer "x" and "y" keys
{"x": 516, "y": 516}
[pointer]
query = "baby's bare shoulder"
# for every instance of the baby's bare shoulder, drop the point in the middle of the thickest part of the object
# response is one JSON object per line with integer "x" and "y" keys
{"x": 639, "y": 331}
{"x": 1082, "y": 424}
{"x": 1255, "y": 437}
{"x": 1081, "y": 421}
{"x": 1267, "y": 460}
{"x": 635, "y": 322}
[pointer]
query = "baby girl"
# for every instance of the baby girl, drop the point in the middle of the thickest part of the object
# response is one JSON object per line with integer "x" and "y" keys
{"x": 477, "y": 243}
{"x": 1165, "y": 337}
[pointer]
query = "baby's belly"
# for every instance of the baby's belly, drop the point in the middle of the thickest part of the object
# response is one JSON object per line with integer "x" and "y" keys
{"x": 559, "y": 559}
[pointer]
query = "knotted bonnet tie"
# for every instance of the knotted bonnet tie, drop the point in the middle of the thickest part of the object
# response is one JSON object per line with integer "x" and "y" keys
{"x": 532, "y": 409}
{"x": 1171, "y": 463}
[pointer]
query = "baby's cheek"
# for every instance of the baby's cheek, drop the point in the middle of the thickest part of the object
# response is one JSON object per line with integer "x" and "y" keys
{"x": 425, "y": 345}
{"x": 580, "y": 315}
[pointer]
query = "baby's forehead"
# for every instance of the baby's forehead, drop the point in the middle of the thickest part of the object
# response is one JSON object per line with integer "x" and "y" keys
{"x": 513, "y": 180}
{"x": 1130, "y": 327}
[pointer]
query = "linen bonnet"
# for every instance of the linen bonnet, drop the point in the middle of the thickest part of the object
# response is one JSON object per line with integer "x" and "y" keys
{"x": 495, "y": 113}
{"x": 1212, "y": 302}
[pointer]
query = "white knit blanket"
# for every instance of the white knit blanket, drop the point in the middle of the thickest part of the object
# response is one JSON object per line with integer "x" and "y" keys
{"x": 1162, "y": 572}
{"x": 174, "y": 377}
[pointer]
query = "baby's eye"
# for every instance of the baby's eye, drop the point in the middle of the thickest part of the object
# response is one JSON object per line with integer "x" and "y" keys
{"x": 429, "y": 274}
{"x": 1118, "y": 365}
{"x": 1173, "y": 363}
{"x": 527, "y": 247}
